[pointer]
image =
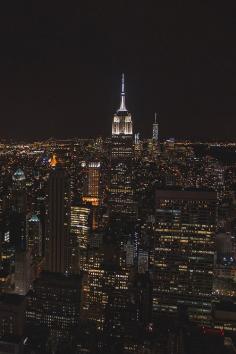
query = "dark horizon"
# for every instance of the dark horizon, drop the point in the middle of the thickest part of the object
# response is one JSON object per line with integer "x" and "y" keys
{"x": 60, "y": 69}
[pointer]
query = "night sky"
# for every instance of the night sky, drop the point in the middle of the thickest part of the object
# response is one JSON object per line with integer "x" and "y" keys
{"x": 61, "y": 64}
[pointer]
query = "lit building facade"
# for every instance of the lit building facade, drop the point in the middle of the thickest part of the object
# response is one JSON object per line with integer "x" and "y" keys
{"x": 54, "y": 301}
{"x": 80, "y": 227}
{"x": 184, "y": 253}
{"x": 102, "y": 278}
{"x": 98, "y": 287}
{"x": 91, "y": 193}
{"x": 81, "y": 224}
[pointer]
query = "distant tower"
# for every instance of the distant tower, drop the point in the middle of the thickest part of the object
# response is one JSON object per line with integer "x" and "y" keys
{"x": 58, "y": 220}
{"x": 186, "y": 219}
{"x": 155, "y": 129}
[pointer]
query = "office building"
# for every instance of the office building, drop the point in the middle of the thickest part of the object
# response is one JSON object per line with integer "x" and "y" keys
{"x": 58, "y": 221}
{"x": 34, "y": 235}
{"x": 155, "y": 130}
{"x": 54, "y": 301}
{"x": 184, "y": 253}
{"x": 23, "y": 272}
{"x": 91, "y": 188}
{"x": 17, "y": 215}
{"x": 80, "y": 228}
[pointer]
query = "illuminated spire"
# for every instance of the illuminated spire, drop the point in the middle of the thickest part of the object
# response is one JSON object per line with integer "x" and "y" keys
{"x": 122, "y": 102}
{"x": 155, "y": 118}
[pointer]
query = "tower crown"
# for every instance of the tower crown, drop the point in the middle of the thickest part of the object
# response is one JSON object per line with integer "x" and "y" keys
{"x": 122, "y": 120}
{"x": 18, "y": 175}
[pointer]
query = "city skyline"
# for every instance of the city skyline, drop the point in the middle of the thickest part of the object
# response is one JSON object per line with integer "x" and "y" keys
{"x": 117, "y": 177}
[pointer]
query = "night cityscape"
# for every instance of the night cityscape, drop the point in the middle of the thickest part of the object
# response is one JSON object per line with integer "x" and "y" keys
{"x": 117, "y": 178}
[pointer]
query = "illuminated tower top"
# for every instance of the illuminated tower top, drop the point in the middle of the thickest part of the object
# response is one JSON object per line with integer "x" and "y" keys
{"x": 122, "y": 122}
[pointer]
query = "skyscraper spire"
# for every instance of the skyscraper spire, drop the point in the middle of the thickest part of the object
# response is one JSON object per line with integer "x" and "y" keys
{"x": 155, "y": 118}
{"x": 122, "y": 102}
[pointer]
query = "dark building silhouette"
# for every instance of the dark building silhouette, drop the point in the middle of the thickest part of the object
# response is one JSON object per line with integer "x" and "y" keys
{"x": 54, "y": 301}
{"x": 58, "y": 221}
{"x": 12, "y": 315}
{"x": 12, "y": 323}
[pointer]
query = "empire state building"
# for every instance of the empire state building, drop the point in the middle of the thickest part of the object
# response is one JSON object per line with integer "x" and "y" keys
{"x": 121, "y": 191}
{"x": 122, "y": 121}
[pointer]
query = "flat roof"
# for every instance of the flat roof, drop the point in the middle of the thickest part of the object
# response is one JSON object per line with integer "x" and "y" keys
{"x": 196, "y": 194}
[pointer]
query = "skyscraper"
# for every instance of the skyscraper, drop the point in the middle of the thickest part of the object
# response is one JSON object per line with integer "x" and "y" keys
{"x": 58, "y": 221}
{"x": 184, "y": 253}
{"x": 155, "y": 129}
{"x": 17, "y": 216}
{"x": 80, "y": 227}
{"x": 54, "y": 301}
{"x": 122, "y": 120}
{"x": 23, "y": 272}
{"x": 91, "y": 188}
{"x": 19, "y": 191}
{"x": 100, "y": 282}
{"x": 121, "y": 193}
{"x": 34, "y": 235}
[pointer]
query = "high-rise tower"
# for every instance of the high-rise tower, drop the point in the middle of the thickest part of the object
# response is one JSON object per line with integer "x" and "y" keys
{"x": 17, "y": 217}
{"x": 184, "y": 250}
{"x": 58, "y": 221}
{"x": 122, "y": 121}
{"x": 121, "y": 199}
{"x": 155, "y": 129}
{"x": 91, "y": 188}
{"x": 34, "y": 235}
